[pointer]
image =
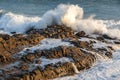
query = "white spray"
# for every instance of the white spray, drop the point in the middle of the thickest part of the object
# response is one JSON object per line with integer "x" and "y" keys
{"x": 10, "y": 22}
{"x": 72, "y": 16}
{"x": 69, "y": 15}
{"x": 75, "y": 68}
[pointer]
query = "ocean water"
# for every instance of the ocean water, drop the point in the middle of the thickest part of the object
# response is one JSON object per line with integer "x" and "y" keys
{"x": 92, "y": 16}
{"x": 20, "y": 15}
{"x": 103, "y": 9}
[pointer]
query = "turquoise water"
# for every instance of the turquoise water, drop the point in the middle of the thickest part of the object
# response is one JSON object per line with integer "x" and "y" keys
{"x": 103, "y": 9}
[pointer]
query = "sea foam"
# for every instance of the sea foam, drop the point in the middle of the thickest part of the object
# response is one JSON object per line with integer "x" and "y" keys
{"x": 69, "y": 15}
{"x": 10, "y": 22}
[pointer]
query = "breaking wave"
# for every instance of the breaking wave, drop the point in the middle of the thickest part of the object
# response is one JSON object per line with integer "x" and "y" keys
{"x": 69, "y": 15}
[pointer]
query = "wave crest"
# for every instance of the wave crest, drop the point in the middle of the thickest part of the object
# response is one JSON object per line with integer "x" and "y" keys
{"x": 10, "y": 22}
{"x": 69, "y": 15}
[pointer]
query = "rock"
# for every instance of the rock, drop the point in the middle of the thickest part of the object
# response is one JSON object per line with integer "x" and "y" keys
{"x": 109, "y": 54}
{"x": 30, "y": 66}
{"x": 54, "y": 31}
{"x": 24, "y": 67}
{"x": 117, "y": 42}
{"x": 62, "y": 70}
{"x": 37, "y": 75}
{"x": 80, "y": 59}
{"x": 13, "y": 32}
{"x": 38, "y": 62}
{"x": 81, "y": 34}
{"x": 10, "y": 45}
{"x": 30, "y": 57}
{"x": 26, "y": 77}
{"x": 1, "y": 39}
{"x": 100, "y": 38}
{"x": 86, "y": 62}
{"x": 105, "y": 52}
{"x": 81, "y": 44}
{"x": 5, "y": 36}
{"x": 72, "y": 52}
{"x": 2, "y": 59}
{"x": 107, "y": 37}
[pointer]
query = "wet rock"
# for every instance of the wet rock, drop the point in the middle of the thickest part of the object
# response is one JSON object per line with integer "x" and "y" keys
{"x": 117, "y": 42}
{"x": 37, "y": 61}
{"x": 71, "y": 52}
{"x": 5, "y": 36}
{"x": 81, "y": 34}
{"x": 109, "y": 54}
{"x": 29, "y": 57}
{"x": 10, "y": 45}
{"x": 54, "y": 31}
{"x": 107, "y": 37}
{"x": 29, "y": 66}
{"x": 80, "y": 59}
{"x": 1, "y": 39}
{"x": 24, "y": 67}
{"x": 100, "y": 38}
{"x": 26, "y": 77}
{"x": 105, "y": 52}
{"x": 59, "y": 71}
{"x": 86, "y": 62}
{"x": 81, "y": 44}
{"x": 2, "y": 59}
{"x": 37, "y": 75}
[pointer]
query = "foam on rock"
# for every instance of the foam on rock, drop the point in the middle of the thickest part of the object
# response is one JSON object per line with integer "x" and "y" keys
{"x": 50, "y": 58}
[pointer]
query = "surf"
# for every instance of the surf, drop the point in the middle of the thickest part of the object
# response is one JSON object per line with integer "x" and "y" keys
{"x": 64, "y": 14}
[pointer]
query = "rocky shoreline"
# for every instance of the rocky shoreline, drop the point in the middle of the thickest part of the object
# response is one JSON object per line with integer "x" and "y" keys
{"x": 29, "y": 66}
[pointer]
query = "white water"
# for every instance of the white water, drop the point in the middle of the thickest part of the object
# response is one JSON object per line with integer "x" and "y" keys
{"x": 1, "y": 10}
{"x": 104, "y": 69}
{"x": 47, "y": 44}
{"x": 75, "y": 68}
{"x": 72, "y": 16}
{"x": 54, "y": 61}
{"x": 69, "y": 15}
{"x": 50, "y": 43}
{"x": 10, "y": 22}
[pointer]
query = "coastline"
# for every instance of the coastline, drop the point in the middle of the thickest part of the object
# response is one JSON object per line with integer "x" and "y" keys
{"x": 82, "y": 52}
